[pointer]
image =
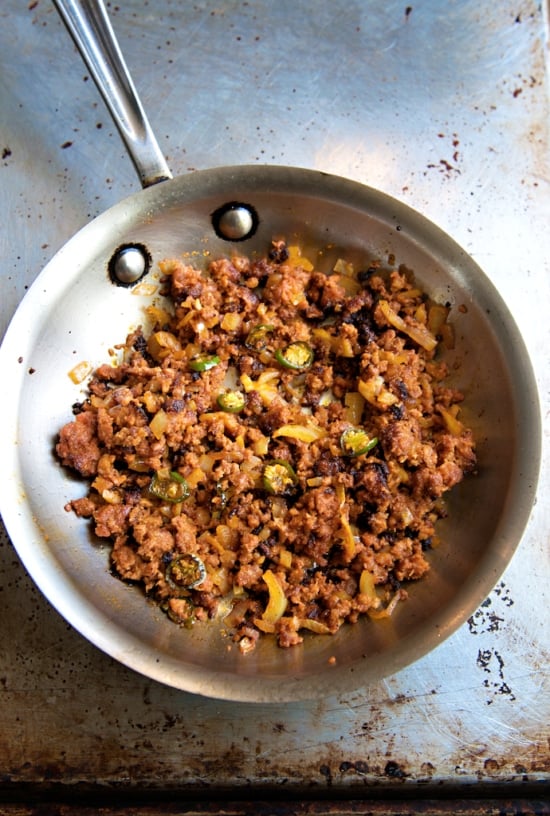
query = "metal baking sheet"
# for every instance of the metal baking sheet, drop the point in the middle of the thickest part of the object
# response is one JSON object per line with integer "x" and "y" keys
{"x": 444, "y": 106}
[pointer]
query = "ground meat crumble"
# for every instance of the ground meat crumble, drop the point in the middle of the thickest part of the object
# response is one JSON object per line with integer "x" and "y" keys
{"x": 282, "y": 437}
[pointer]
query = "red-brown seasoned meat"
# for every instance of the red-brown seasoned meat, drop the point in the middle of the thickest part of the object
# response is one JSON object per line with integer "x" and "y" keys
{"x": 277, "y": 446}
{"x": 78, "y": 445}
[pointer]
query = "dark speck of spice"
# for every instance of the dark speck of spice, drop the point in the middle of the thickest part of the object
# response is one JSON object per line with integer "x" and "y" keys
{"x": 6, "y": 153}
{"x": 65, "y": 145}
{"x": 366, "y": 274}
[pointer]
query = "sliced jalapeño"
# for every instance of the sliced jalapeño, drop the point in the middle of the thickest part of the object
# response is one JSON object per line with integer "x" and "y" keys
{"x": 204, "y": 362}
{"x": 356, "y": 441}
{"x": 279, "y": 477}
{"x": 297, "y": 356}
{"x": 169, "y": 486}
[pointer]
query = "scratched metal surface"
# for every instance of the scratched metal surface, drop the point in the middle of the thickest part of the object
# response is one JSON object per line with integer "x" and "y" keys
{"x": 443, "y": 105}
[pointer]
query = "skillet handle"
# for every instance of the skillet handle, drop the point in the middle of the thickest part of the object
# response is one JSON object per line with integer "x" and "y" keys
{"x": 91, "y": 30}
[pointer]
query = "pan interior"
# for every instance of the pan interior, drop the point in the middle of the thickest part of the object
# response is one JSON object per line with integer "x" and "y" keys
{"x": 74, "y": 313}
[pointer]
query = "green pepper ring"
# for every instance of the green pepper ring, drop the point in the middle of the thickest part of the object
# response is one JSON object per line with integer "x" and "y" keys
{"x": 173, "y": 489}
{"x": 357, "y": 449}
{"x": 257, "y": 337}
{"x": 186, "y": 621}
{"x": 278, "y": 477}
{"x": 204, "y": 362}
{"x": 302, "y": 352}
{"x": 191, "y": 569}
{"x": 231, "y": 401}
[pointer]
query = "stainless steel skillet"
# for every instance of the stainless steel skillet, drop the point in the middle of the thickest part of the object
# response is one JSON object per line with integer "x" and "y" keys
{"x": 75, "y": 313}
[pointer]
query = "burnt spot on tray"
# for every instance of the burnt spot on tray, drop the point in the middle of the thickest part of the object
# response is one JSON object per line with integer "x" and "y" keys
{"x": 394, "y": 770}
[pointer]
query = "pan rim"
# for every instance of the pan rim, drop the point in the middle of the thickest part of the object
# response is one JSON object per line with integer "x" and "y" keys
{"x": 92, "y": 625}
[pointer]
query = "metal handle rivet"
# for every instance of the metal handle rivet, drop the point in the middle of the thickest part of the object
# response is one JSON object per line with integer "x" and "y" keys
{"x": 128, "y": 264}
{"x": 235, "y": 221}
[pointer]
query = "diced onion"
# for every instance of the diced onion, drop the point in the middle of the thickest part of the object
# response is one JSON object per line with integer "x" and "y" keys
{"x": 343, "y": 267}
{"x": 277, "y": 603}
{"x": 159, "y": 423}
{"x": 285, "y": 558}
{"x": 231, "y": 321}
{"x": 348, "y": 538}
{"x": 295, "y": 258}
{"x": 354, "y": 402}
{"x": 315, "y": 481}
{"x": 378, "y": 614}
{"x": 437, "y": 317}
{"x": 264, "y": 626}
{"x": 237, "y": 612}
{"x": 80, "y": 371}
{"x": 303, "y": 433}
{"x": 375, "y": 392}
{"x": 261, "y": 446}
{"x": 419, "y": 333}
{"x": 145, "y": 289}
{"x": 266, "y": 385}
{"x": 453, "y": 425}
{"x": 350, "y": 285}
{"x": 367, "y": 586}
{"x": 161, "y": 344}
{"x": 343, "y": 347}
{"x": 111, "y": 496}
{"x": 313, "y": 626}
